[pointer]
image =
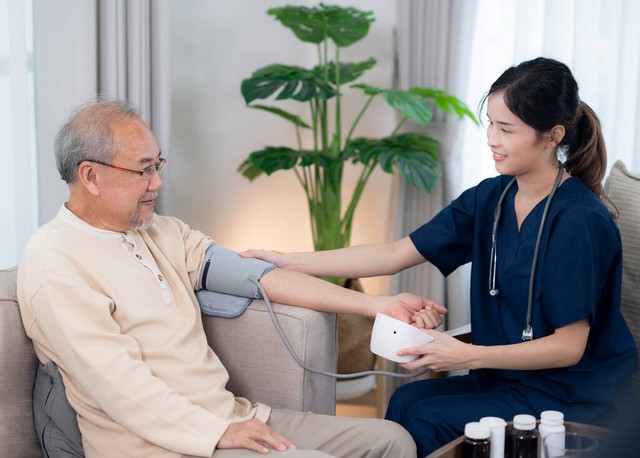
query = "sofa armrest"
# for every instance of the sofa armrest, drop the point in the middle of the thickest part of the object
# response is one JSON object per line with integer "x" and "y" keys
{"x": 260, "y": 367}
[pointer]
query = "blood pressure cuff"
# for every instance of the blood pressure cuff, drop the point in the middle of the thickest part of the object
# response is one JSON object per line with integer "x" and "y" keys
{"x": 225, "y": 289}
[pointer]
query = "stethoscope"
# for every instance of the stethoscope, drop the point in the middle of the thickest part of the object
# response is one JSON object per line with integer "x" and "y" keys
{"x": 527, "y": 332}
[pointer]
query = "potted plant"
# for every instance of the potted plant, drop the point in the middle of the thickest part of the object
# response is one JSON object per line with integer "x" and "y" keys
{"x": 319, "y": 164}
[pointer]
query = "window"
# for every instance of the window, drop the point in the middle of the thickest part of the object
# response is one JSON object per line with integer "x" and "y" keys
{"x": 18, "y": 211}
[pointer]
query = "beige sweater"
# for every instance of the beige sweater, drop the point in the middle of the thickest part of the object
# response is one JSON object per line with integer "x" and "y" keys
{"x": 117, "y": 313}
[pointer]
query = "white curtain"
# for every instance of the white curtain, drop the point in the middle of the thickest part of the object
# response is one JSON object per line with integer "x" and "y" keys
{"x": 17, "y": 164}
{"x": 433, "y": 36}
{"x": 85, "y": 49}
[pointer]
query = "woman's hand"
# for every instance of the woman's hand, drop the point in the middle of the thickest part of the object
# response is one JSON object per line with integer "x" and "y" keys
{"x": 564, "y": 348}
{"x": 269, "y": 256}
{"x": 405, "y": 307}
{"x": 444, "y": 353}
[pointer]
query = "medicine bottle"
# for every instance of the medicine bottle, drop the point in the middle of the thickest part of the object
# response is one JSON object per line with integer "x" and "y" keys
{"x": 551, "y": 421}
{"x": 497, "y": 426}
{"x": 476, "y": 440}
{"x": 522, "y": 440}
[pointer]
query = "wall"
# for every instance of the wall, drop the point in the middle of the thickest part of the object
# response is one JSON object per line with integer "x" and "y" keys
{"x": 214, "y": 45}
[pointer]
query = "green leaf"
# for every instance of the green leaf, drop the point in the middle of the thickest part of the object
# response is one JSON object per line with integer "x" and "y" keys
{"x": 415, "y": 156}
{"x": 344, "y": 26}
{"x": 305, "y": 23}
{"x": 284, "y": 114}
{"x": 410, "y": 105}
{"x": 349, "y": 72}
{"x": 274, "y": 158}
{"x": 249, "y": 170}
{"x": 270, "y": 159}
{"x": 295, "y": 83}
{"x": 445, "y": 101}
{"x": 368, "y": 90}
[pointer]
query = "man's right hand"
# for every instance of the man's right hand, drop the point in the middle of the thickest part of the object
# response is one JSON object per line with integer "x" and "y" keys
{"x": 253, "y": 435}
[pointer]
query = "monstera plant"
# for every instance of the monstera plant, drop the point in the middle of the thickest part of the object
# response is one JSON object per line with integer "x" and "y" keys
{"x": 324, "y": 143}
{"x": 319, "y": 164}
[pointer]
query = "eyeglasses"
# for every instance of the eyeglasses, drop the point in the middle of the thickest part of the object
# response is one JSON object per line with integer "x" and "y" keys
{"x": 145, "y": 173}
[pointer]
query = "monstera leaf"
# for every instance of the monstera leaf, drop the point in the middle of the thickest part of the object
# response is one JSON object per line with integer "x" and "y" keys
{"x": 344, "y": 26}
{"x": 295, "y": 83}
{"x": 415, "y": 157}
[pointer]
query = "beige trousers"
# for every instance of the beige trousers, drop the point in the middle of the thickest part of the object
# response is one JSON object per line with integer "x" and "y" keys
{"x": 338, "y": 437}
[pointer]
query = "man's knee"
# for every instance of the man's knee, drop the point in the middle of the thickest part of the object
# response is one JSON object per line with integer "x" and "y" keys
{"x": 389, "y": 440}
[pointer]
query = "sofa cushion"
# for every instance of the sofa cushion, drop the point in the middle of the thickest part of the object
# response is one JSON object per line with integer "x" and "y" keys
{"x": 17, "y": 372}
{"x": 624, "y": 192}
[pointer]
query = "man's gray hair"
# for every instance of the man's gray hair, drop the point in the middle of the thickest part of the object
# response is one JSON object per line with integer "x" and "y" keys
{"x": 88, "y": 136}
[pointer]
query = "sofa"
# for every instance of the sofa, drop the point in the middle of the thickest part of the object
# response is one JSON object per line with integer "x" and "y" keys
{"x": 259, "y": 365}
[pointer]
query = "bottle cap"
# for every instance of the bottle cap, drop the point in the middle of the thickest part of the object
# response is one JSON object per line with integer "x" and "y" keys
{"x": 476, "y": 430}
{"x": 524, "y": 422}
{"x": 552, "y": 417}
{"x": 495, "y": 423}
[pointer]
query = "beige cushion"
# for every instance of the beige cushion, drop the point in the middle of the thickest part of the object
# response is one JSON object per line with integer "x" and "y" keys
{"x": 17, "y": 372}
{"x": 624, "y": 192}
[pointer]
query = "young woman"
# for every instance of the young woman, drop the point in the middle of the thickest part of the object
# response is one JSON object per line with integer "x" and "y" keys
{"x": 552, "y": 340}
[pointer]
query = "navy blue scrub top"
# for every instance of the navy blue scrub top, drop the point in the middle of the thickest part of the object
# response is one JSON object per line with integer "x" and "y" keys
{"x": 578, "y": 276}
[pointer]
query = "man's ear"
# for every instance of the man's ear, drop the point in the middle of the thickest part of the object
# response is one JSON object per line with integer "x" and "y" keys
{"x": 88, "y": 177}
{"x": 556, "y": 134}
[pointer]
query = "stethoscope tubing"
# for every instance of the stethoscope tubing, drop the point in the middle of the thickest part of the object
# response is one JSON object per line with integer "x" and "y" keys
{"x": 527, "y": 333}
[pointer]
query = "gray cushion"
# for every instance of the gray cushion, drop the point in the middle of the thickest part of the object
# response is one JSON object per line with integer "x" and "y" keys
{"x": 55, "y": 420}
{"x": 17, "y": 371}
{"x": 624, "y": 192}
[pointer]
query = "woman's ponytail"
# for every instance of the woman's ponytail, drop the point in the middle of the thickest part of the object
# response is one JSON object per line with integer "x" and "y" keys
{"x": 586, "y": 153}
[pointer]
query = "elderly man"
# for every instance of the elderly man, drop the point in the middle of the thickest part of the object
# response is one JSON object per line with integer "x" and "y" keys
{"x": 106, "y": 292}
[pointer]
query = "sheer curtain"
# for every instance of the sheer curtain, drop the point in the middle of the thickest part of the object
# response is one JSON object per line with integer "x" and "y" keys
{"x": 17, "y": 170}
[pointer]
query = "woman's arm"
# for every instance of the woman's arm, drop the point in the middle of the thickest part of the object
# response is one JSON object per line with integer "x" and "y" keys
{"x": 296, "y": 288}
{"x": 352, "y": 262}
{"x": 563, "y": 348}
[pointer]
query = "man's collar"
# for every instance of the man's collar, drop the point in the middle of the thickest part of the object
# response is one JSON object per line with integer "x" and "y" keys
{"x": 69, "y": 217}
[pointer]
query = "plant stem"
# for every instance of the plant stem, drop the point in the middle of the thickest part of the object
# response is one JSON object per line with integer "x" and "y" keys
{"x": 338, "y": 105}
{"x": 347, "y": 220}
{"x": 357, "y": 120}
{"x": 400, "y": 124}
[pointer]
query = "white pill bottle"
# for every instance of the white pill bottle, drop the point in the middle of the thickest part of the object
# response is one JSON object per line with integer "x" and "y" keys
{"x": 551, "y": 421}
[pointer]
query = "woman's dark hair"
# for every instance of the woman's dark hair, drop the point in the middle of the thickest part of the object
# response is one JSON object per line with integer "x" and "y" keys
{"x": 543, "y": 93}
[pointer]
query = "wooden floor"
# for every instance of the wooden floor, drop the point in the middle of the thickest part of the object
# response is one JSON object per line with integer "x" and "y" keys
{"x": 363, "y": 407}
